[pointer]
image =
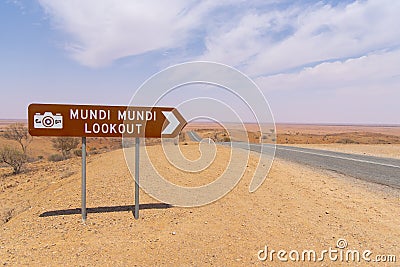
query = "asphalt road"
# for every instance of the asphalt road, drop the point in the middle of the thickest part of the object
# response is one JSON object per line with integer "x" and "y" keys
{"x": 378, "y": 170}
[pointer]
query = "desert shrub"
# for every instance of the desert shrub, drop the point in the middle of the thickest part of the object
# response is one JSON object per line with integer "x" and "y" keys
{"x": 380, "y": 141}
{"x": 6, "y": 215}
{"x": 78, "y": 152}
{"x": 40, "y": 157}
{"x": 18, "y": 132}
{"x": 67, "y": 174}
{"x": 126, "y": 143}
{"x": 31, "y": 159}
{"x": 346, "y": 141}
{"x": 65, "y": 145}
{"x": 13, "y": 157}
{"x": 56, "y": 157}
{"x": 182, "y": 137}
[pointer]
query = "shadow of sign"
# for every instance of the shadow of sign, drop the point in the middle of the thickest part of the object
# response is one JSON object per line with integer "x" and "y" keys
{"x": 105, "y": 209}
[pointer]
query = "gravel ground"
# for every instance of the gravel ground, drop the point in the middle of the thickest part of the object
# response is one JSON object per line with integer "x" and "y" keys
{"x": 296, "y": 208}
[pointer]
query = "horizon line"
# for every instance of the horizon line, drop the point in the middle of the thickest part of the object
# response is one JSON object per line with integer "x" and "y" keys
{"x": 276, "y": 123}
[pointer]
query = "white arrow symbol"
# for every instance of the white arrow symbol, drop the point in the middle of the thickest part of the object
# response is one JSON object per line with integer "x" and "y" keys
{"x": 173, "y": 122}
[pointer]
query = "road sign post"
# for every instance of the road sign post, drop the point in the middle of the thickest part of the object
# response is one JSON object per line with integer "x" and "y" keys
{"x": 137, "y": 151}
{"x": 83, "y": 189}
{"x": 104, "y": 121}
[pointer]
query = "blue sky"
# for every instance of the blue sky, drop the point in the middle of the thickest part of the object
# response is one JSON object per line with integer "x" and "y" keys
{"x": 315, "y": 61}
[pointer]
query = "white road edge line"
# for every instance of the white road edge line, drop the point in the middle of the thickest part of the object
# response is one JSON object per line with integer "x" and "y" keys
{"x": 338, "y": 157}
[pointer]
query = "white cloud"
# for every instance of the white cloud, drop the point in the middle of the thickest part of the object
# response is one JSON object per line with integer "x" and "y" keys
{"x": 248, "y": 38}
{"x": 103, "y": 31}
{"x": 378, "y": 69}
{"x": 261, "y": 37}
{"x": 314, "y": 49}
{"x": 358, "y": 90}
{"x": 272, "y": 41}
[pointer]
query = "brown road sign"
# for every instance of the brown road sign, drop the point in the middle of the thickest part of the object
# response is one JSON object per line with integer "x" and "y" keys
{"x": 103, "y": 121}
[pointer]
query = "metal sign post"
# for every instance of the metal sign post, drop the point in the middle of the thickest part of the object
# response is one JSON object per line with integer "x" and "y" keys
{"x": 137, "y": 149}
{"x": 84, "y": 212}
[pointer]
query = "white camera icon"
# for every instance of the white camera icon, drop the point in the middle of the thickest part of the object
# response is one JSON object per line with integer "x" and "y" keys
{"x": 48, "y": 121}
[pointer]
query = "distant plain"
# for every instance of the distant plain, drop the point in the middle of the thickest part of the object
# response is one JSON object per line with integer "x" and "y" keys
{"x": 297, "y": 207}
